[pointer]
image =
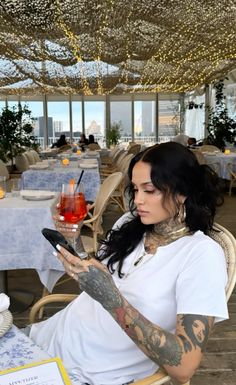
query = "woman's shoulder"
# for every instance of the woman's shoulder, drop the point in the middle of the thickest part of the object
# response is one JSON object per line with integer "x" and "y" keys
{"x": 201, "y": 247}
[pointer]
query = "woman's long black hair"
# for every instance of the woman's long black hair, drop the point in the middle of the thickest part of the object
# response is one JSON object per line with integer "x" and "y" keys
{"x": 174, "y": 170}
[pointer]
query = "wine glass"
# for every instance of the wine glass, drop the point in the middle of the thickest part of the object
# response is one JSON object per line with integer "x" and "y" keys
{"x": 73, "y": 205}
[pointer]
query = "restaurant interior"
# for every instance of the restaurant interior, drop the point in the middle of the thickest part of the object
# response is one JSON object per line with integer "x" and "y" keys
{"x": 84, "y": 87}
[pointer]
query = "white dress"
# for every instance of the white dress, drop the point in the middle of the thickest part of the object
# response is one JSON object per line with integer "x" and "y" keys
{"x": 187, "y": 276}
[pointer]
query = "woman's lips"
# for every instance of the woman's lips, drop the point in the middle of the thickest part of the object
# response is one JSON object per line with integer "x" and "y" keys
{"x": 142, "y": 213}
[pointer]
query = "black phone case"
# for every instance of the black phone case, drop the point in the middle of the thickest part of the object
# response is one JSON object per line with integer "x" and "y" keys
{"x": 55, "y": 238}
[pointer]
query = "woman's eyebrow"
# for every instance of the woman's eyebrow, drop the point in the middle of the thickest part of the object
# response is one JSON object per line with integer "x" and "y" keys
{"x": 144, "y": 183}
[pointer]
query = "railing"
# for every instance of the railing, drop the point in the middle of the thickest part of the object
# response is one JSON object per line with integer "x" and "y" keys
{"x": 146, "y": 140}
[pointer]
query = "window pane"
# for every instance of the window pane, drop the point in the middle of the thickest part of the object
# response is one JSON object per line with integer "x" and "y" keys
{"x": 58, "y": 120}
{"x": 95, "y": 120}
{"x": 36, "y": 109}
{"x": 2, "y": 105}
{"x": 144, "y": 122}
{"x": 169, "y": 119}
{"x": 121, "y": 113}
{"x": 76, "y": 120}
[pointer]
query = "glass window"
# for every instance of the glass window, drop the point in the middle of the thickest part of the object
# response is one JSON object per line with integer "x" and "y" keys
{"x": 121, "y": 113}
{"x": 2, "y": 104}
{"x": 36, "y": 109}
{"x": 169, "y": 119}
{"x": 58, "y": 120}
{"x": 76, "y": 120}
{"x": 94, "y": 117}
{"x": 144, "y": 122}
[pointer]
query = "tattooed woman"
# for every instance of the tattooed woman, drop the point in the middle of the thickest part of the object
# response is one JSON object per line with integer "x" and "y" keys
{"x": 157, "y": 285}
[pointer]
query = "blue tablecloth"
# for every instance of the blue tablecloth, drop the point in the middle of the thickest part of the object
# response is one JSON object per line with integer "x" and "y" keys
{"x": 52, "y": 180}
{"x": 16, "y": 349}
{"x": 22, "y": 244}
{"x": 220, "y": 161}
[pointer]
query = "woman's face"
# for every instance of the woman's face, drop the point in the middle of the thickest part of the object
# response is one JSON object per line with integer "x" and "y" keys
{"x": 148, "y": 199}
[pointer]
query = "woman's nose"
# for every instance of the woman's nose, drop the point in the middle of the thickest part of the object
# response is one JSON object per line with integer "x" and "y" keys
{"x": 138, "y": 199}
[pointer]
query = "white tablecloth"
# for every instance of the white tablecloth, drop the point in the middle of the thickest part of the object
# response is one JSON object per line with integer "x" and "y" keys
{"x": 16, "y": 349}
{"x": 53, "y": 179}
{"x": 22, "y": 244}
{"x": 222, "y": 160}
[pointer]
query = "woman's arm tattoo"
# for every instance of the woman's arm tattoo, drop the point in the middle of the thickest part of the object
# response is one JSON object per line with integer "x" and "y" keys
{"x": 161, "y": 346}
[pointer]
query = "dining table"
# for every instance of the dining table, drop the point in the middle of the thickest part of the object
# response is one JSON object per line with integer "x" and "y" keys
{"x": 219, "y": 162}
{"x": 17, "y": 349}
{"x": 48, "y": 179}
{"x": 22, "y": 244}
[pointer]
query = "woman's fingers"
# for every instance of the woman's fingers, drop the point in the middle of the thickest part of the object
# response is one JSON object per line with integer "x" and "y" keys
{"x": 67, "y": 229}
{"x": 78, "y": 265}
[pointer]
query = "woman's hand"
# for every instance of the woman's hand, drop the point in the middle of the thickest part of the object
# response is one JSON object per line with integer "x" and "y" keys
{"x": 93, "y": 278}
{"x": 69, "y": 230}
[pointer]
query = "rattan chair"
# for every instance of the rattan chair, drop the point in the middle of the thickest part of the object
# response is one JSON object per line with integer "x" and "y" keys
{"x": 134, "y": 149}
{"x": 22, "y": 163}
{"x": 35, "y": 155}
{"x": 30, "y": 157}
{"x": 209, "y": 148}
{"x": 221, "y": 235}
{"x": 94, "y": 146}
{"x": 94, "y": 222}
{"x": 118, "y": 195}
{"x": 200, "y": 156}
{"x": 232, "y": 175}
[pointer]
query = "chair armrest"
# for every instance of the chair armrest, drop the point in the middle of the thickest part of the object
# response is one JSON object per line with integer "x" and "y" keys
{"x": 49, "y": 299}
{"x": 160, "y": 377}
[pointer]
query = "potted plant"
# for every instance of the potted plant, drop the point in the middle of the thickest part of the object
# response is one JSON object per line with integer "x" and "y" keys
{"x": 221, "y": 128}
{"x": 113, "y": 134}
{"x": 16, "y": 127}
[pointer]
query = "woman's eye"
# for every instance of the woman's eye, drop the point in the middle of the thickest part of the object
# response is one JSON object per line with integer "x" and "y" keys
{"x": 149, "y": 191}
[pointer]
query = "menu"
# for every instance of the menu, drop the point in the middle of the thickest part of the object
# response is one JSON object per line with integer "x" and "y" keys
{"x": 46, "y": 372}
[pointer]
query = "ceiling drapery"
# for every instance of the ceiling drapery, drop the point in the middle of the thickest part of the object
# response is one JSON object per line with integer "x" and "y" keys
{"x": 114, "y": 46}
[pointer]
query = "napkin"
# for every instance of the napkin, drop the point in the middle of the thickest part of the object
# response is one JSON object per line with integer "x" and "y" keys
{"x": 42, "y": 166}
{"x": 37, "y": 193}
{"x": 88, "y": 165}
{"x": 4, "y": 302}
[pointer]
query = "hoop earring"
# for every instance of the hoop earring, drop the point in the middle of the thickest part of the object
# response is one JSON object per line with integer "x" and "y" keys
{"x": 182, "y": 213}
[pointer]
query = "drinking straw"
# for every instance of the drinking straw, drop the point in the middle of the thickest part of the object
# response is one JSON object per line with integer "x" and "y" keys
{"x": 79, "y": 180}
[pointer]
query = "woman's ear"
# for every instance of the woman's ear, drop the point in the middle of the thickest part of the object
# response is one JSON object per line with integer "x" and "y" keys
{"x": 181, "y": 199}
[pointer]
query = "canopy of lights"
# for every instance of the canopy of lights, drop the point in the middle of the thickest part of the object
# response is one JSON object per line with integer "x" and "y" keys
{"x": 114, "y": 46}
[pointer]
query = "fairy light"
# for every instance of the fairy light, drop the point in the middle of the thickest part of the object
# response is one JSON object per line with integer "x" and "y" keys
{"x": 163, "y": 46}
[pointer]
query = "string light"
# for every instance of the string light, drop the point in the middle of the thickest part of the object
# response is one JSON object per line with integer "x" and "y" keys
{"x": 110, "y": 46}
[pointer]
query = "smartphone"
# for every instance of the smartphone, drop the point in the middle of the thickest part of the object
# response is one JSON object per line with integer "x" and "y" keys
{"x": 55, "y": 238}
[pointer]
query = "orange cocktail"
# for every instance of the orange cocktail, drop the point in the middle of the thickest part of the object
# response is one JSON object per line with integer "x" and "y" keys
{"x": 73, "y": 206}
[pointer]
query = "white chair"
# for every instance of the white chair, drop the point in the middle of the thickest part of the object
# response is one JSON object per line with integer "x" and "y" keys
{"x": 4, "y": 172}
{"x": 221, "y": 235}
{"x": 30, "y": 157}
{"x": 35, "y": 155}
{"x": 21, "y": 162}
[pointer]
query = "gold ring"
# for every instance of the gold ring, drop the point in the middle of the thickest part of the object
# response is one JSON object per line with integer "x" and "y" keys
{"x": 70, "y": 267}
{"x": 72, "y": 275}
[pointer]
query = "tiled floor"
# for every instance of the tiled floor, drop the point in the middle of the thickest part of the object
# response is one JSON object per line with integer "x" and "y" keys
{"x": 219, "y": 363}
